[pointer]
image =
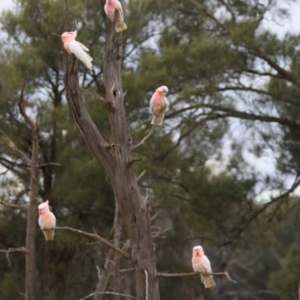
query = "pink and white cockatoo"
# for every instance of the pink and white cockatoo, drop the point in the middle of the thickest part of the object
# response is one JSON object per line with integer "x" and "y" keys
{"x": 158, "y": 105}
{"x": 47, "y": 220}
{"x": 74, "y": 47}
{"x": 201, "y": 264}
{"x": 110, "y": 7}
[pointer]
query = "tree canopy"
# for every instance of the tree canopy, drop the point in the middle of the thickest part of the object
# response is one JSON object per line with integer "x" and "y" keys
{"x": 234, "y": 101}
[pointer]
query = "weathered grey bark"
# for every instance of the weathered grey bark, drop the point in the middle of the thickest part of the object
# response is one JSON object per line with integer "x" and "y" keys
{"x": 117, "y": 236}
{"x": 32, "y": 218}
{"x": 116, "y": 158}
{"x": 30, "y": 271}
{"x": 104, "y": 277}
{"x": 111, "y": 263}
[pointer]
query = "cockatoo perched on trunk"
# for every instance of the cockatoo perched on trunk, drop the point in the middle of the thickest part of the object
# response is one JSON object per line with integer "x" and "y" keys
{"x": 76, "y": 48}
{"x": 201, "y": 264}
{"x": 47, "y": 220}
{"x": 110, "y": 7}
{"x": 159, "y": 104}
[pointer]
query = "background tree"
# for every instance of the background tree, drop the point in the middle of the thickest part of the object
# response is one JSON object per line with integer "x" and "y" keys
{"x": 233, "y": 85}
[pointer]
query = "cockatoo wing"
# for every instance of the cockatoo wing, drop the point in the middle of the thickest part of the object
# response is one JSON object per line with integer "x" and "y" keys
{"x": 40, "y": 223}
{"x": 120, "y": 25}
{"x": 206, "y": 264}
{"x": 83, "y": 47}
{"x": 54, "y": 219}
{"x": 105, "y": 9}
{"x": 120, "y": 8}
{"x": 47, "y": 221}
{"x": 78, "y": 51}
{"x": 151, "y": 102}
{"x": 167, "y": 102}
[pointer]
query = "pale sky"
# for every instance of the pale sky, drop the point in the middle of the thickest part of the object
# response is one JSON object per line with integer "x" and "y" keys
{"x": 5, "y": 4}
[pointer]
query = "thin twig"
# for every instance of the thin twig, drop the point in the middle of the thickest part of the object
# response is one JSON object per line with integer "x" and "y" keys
{"x": 168, "y": 275}
{"x": 10, "y": 250}
{"x": 22, "y": 108}
{"x": 133, "y": 159}
{"x": 12, "y": 145}
{"x": 143, "y": 140}
{"x": 140, "y": 176}
{"x": 126, "y": 270}
{"x": 95, "y": 95}
{"x": 146, "y": 284}
{"x": 50, "y": 163}
{"x": 104, "y": 241}
{"x": 108, "y": 293}
{"x": 56, "y": 34}
{"x": 97, "y": 237}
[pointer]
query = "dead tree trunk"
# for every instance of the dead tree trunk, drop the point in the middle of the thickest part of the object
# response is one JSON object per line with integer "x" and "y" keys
{"x": 112, "y": 262}
{"x": 116, "y": 158}
{"x": 30, "y": 271}
{"x": 32, "y": 218}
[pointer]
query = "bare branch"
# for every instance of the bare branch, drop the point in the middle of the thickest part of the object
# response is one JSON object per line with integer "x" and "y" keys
{"x": 56, "y": 34}
{"x": 146, "y": 284}
{"x": 50, "y": 163}
{"x": 95, "y": 95}
{"x": 108, "y": 293}
{"x": 133, "y": 159}
{"x": 20, "y": 206}
{"x": 143, "y": 140}
{"x": 130, "y": 270}
{"x": 12, "y": 145}
{"x": 10, "y": 250}
{"x": 141, "y": 175}
{"x": 103, "y": 277}
{"x": 22, "y": 108}
{"x": 97, "y": 237}
{"x": 104, "y": 241}
{"x": 169, "y": 275}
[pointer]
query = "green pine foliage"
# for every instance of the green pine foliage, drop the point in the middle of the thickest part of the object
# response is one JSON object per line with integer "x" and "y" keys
{"x": 223, "y": 92}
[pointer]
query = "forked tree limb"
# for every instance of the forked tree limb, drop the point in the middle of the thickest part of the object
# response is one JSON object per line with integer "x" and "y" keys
{"x": 144, "y": 139}
{"x": 10, "y": 250}
{"x": 97, "y": 237}
{"x": 13, "y": 146}
{"x": 95, "y": 95}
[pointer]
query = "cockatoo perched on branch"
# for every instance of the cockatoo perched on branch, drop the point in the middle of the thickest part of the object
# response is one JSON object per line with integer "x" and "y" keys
{"x": 110, "y": 7}
{"x": 76, "y": 48}
{"x": 47, "y": 220}
{"x": 201, "y": 264}
{"x": 159, "y": 104}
